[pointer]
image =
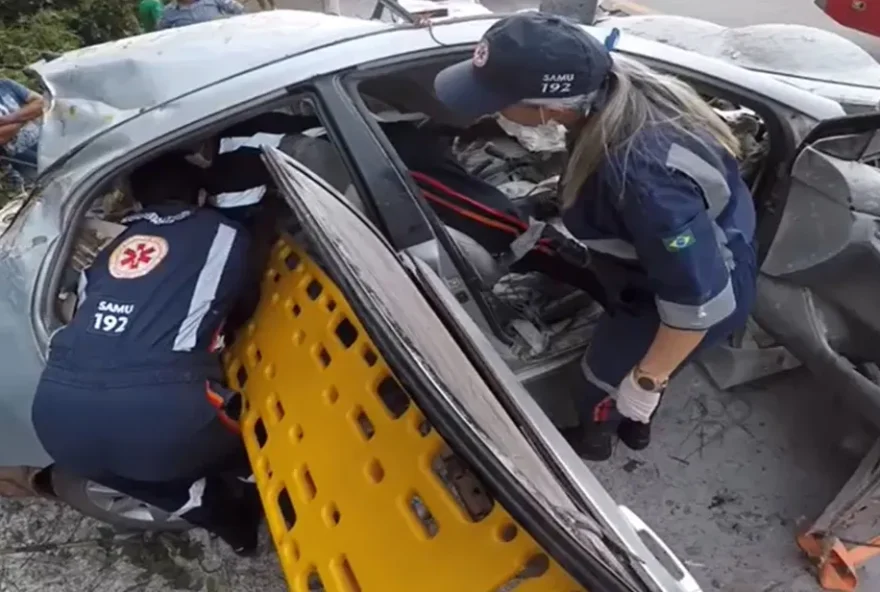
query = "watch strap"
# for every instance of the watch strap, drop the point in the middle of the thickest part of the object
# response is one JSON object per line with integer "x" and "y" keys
{"x": 647, "y": 382}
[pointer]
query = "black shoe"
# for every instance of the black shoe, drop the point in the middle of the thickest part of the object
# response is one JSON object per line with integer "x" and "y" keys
{"x": 591, "y": 443}
{"x": 240, "y": 528}
{"x": 635, "y": 434}
{"x": 246, "y": 549}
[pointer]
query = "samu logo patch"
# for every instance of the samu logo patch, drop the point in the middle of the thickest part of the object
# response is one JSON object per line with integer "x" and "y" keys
{"x": 137, "y": 256}
{"x": 680, "y": 242}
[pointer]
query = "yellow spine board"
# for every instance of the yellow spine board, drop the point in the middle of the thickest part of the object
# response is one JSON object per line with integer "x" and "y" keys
{"x": 360, "y": 493}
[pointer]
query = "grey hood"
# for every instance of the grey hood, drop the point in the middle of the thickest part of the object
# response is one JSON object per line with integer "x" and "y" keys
{"x": 819, "y": 61}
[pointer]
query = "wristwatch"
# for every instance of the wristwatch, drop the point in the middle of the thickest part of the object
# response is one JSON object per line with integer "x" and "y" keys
{"x": 647, "y": 382}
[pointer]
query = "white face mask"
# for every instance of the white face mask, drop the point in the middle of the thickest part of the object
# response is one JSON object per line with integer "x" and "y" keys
{"x": 546, "y": 137}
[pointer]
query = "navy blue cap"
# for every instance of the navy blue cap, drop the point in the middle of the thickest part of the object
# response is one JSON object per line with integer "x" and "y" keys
{"x": 526, "y": 56}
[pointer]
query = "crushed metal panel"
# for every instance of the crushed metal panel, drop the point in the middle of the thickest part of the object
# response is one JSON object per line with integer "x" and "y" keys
{"x": 793, "y": 50}
{"x": 854, "y": 99}
{"x": 682, "y": 32}
{"x": 801, "y": 51}
{"x": 433, "y": 349}
{"x": 100, "y": 86}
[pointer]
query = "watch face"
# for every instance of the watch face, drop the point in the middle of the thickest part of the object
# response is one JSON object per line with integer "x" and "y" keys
{"x": 647, "y": 383}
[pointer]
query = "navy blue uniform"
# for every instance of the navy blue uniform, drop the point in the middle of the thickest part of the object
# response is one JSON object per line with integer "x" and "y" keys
{"x": 672, "y": 220}
{"x": 667, "y": 217}
{"x": 124, "y": 391}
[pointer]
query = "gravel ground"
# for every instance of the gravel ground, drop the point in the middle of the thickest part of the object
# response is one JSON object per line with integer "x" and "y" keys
{"x": 728, "y": 481}
{"x": 47, "y": 547}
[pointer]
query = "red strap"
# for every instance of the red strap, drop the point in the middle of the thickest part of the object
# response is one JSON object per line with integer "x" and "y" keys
{"x": 437, "y": 185}
{"x": 483, "y": 220}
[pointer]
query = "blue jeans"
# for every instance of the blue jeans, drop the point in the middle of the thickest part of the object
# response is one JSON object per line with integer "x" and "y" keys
{"x": 17, "y": 170}
{"x": 621, "y": 341}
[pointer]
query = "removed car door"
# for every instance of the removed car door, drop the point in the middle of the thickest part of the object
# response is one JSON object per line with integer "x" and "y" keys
{"x": 447, "y": 386}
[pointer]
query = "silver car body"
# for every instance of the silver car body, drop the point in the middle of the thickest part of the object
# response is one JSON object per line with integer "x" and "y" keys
{"x": 115, "y": 100}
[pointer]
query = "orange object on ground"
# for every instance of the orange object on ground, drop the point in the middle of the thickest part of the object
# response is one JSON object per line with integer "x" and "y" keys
{"x": 854, "y": 515}
{"x": 836, "y": 563}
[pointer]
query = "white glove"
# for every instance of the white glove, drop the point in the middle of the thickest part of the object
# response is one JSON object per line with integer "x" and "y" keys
{"x": 634, "y": 402}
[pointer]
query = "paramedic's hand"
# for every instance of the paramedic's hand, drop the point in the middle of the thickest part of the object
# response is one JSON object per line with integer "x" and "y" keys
{"x": 635, "y": 403}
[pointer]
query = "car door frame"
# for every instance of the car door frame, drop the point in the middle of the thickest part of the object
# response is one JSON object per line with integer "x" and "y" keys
{"x": 427, "y": 388}
{"x": 854, "y": 124}
{"x": 394, "y": 210}
{"x": 365, "y": 165}
{"x": 401, "y": 203}
{"x": 845, "y": 138}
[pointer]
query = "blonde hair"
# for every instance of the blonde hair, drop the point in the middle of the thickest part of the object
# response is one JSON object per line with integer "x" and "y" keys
{"x": 640, "y": 97}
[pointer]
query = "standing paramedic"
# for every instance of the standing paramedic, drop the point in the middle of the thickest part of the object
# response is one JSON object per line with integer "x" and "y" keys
{"x": 132, "y": 396}
{"x": 651, "y": 187}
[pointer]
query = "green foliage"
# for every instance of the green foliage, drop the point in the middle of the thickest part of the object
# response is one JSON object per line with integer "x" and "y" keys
{"x": 27, "y": 39}
{"x": 31, "y": 30}
{"x": 98, "y": 21}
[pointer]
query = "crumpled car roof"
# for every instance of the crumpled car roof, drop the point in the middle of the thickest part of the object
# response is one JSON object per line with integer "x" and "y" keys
{"x": 145, "y": 70}
{"x": 793, "y": 50}
{"x": 103, "y": 85}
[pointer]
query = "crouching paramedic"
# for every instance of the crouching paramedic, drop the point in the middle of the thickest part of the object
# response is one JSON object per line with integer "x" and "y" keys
{"x": 132, "y": 395}
{"x": 651, "y": 187}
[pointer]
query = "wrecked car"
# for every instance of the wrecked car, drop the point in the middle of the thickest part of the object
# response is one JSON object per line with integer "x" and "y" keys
{"x": 513, "y": 334}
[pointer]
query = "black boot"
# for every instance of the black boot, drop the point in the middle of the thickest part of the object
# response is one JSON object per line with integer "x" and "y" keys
{"x": 232, "y": 512}
{"x": 591, "y": 442}
{"x": 247, "y": 530}
{"x": 635, "y": 434}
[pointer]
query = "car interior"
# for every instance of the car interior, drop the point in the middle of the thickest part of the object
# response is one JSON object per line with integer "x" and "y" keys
{"x": 410, "y": 90}
{"x": 548, "y": 319}
{"x": 538, "y": 318}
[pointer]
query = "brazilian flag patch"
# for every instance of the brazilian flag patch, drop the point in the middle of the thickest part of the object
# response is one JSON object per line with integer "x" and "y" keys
{"x": 680, "y": 242}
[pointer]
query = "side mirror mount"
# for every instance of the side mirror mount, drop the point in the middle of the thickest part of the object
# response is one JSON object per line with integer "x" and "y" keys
{"x": 872, "y": 150}
{"x": 851, "y": 137}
